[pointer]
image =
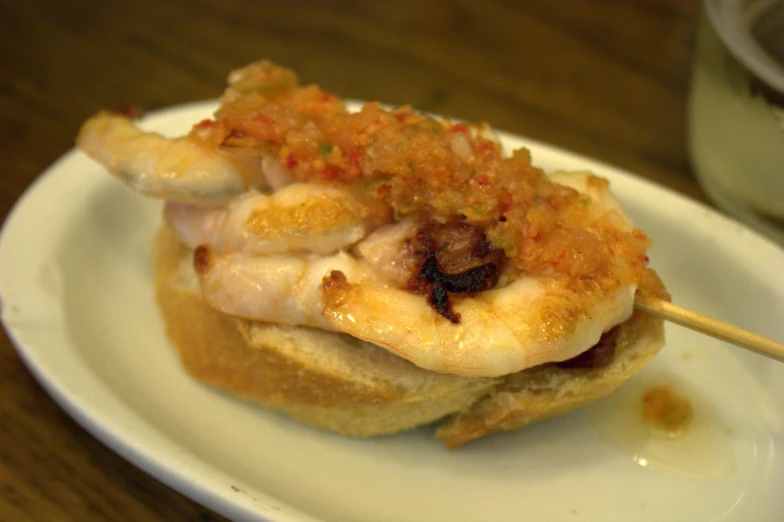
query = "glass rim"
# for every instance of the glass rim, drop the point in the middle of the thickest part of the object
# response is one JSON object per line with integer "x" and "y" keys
{"x": 730, "y": 20}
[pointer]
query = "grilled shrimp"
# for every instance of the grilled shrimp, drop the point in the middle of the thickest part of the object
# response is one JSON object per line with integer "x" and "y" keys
{"x": 524, "y": 322}
{"x": 298, "y": 217}
{"x": 418, "y": 235}
{"x": 213, "y": 164}
{"x": 174, "y": 169}
{"x": 284, "y": 289}
{"x": 528, "y": 321}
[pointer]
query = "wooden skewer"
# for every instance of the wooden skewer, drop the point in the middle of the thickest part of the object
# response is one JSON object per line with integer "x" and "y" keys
{"x": 710, "y": 326}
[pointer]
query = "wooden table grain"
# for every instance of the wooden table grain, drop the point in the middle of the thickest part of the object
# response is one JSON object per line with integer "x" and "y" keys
{"x": 606, "y": 78}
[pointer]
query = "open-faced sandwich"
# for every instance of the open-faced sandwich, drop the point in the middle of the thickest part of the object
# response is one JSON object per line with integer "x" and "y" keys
{"x": 368, "y": 272}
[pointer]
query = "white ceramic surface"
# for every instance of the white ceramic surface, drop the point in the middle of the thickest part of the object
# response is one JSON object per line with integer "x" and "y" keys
{"x": 77, "y": 300}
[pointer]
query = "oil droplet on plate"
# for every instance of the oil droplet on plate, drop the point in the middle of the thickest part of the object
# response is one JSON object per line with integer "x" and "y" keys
{"x": 699, "y": 446}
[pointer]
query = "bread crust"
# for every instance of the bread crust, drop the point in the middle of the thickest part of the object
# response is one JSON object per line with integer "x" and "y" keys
{"x": 341, "y": 384}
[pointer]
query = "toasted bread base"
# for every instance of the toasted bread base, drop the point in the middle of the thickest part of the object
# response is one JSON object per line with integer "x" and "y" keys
{"x": 341, "y": 384}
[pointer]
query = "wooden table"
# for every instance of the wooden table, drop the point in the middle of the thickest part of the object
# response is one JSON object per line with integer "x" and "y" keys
{"x": 606, "y": 78}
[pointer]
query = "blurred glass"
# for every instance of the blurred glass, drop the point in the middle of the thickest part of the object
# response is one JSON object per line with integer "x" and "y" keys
{"x": 736, "y": 112}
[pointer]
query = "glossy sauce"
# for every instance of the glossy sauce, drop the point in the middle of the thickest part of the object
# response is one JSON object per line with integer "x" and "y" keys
{"x": 665, "y": 426}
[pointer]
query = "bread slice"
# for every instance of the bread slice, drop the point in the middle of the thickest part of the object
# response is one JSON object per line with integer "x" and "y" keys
{"x": 339, "y": 383}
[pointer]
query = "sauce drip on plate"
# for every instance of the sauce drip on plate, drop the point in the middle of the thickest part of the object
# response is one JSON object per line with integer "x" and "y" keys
{"x": 664, "y": 425}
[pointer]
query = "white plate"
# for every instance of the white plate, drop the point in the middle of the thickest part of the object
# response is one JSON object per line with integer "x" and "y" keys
{"x": 78, "y": 303}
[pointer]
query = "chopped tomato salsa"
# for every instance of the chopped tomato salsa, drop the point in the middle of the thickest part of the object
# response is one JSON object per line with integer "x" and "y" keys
{"x": 406, "y": 164}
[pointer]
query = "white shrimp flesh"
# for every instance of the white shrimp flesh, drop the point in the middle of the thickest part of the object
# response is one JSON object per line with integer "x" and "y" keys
{"x": 300, "y": 217}
{"x": 174, "y": 169}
